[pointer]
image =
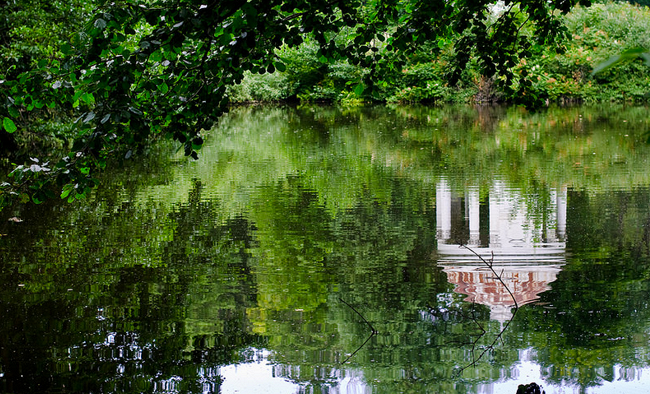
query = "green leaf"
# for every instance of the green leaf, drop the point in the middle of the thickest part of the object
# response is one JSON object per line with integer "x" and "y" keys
{"x": 118, "y": 37}
{"x": 157, "y": 56}
{"x": 88, "y": 98}
{"x": 280, "y": 67}
{"x": 66, "y": 49}
{"x": 9, "y": 125}
{"x": 163, "y": 87}
{"x": 614, "y": 60}
{"x": 13, "y": 112}
{"x": 66, "y": 191}
{"x": 197, "y": 143}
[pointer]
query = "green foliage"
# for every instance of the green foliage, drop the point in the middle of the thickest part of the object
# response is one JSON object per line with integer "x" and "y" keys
{"x": 32, "y": 37}
{"x": 139, "y": 71}
{"x": 260, "y": 87}
{"x": 422, "y": 82}
{"x": 596, "y": 33}
{"x": 34, "y": 30}
{"x": 305, "y": 71}
{"x": 599, "y": 33}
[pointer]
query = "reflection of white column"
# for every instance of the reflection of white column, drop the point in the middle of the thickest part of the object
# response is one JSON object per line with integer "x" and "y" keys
{"x": 526, "y": 245}
{"x": 474, "y": 216}
{"x": 561, "y": 213}
{"x": 496, "y": 194}
{"x": 443, "y": 210}
{"x": 549, "y": 232}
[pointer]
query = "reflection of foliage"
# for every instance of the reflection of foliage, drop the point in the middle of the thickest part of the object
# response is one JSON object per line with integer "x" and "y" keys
{"x": 97, "y": 313}
{"x": 597, "y": 307}
{"x": 294, "y": 208}
{"x": 576, "y": 146}
{"x": 293, "y": 240}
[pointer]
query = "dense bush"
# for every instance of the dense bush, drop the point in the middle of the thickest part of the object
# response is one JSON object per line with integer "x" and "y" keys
{"x": 261, "y": 87}
{"x": 598, "y": 32}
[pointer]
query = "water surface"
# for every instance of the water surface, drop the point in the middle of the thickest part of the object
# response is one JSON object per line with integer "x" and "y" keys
{"x": 266, "y": 266}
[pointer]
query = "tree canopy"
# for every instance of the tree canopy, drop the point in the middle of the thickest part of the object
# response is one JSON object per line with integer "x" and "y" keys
{"x": 141, "y": 70}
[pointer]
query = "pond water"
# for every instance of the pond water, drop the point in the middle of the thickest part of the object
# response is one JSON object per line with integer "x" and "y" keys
{"x": 363, "y": 250}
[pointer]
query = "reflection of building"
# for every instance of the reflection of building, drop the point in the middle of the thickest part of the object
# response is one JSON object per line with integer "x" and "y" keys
{"x": 526, "y": 246}
{"x": 479, "y": 283}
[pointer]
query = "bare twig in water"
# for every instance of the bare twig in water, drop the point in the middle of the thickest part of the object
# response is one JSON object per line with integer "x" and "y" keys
{"x": 373, "y": 332}
{"x": 498, "y": 277}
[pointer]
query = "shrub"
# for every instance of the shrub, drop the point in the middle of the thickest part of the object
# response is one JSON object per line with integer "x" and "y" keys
{"x": 265, "y": 87}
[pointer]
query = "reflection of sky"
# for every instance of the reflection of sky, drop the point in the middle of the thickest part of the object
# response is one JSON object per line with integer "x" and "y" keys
{"x": 254, "y": 377}
{"x": 258, "y": 377}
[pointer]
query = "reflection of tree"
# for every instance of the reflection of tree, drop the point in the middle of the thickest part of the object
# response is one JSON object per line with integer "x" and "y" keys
{"x": 597, "y": 312}
{"x": 293, "y": 240}
{"x": 380, "y": 257}
{"x": 592, "y": 302}
{"x": 293, "y": 280}
{"x": 172, "y": 279}
{"x": 107, "y": 318}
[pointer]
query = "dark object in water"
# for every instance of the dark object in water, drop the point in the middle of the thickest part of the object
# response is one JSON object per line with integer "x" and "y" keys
{"x": 532, "y": 388}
